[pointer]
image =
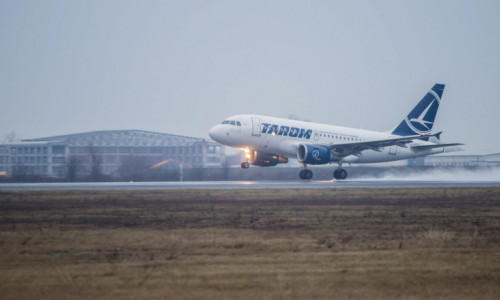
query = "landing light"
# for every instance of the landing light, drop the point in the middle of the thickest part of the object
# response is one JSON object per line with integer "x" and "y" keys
{"x": 247, "y": 152}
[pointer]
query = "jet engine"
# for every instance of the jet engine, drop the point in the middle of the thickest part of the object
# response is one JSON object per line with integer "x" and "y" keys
{"x": 265, "y": 159}
{"x": 313, "y": 154}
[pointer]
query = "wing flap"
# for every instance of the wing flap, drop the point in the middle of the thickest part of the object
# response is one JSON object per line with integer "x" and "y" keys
{"x": 428, "y": 147}
{"x": 376, "y": 144}
{"x": 355, "y": 148}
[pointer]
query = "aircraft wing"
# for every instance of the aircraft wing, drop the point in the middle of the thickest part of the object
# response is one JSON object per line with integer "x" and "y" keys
{"x": 345, "y": 149}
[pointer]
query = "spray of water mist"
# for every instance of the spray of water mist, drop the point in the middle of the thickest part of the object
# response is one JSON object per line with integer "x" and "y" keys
{"x": 440, "y": 174}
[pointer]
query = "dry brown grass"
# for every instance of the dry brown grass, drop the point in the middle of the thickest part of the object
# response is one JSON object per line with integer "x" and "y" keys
{"x": 269, "y": 244}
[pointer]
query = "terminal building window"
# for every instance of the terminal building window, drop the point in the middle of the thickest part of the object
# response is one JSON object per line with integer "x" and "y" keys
{"x": 211, "y": 149}
{"x": 212, "y": 159}
{"x": 58, "y": 160}
{"x": 58, "y": 149}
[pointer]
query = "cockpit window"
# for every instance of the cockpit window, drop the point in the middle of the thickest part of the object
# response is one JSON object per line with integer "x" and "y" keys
{"x": 234, "y": 123}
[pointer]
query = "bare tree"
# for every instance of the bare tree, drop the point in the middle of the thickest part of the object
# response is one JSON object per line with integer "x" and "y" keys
{"x": 225, "y": 167}
{"x": 95, "y": 164}
{"x": 11, "y": 137}
{"x": 133, "y": 167}
{"x": 72, "y": 167}
{"x": 19, "y": 172}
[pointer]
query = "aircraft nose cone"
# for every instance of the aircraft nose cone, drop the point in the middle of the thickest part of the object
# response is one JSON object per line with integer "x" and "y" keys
{"x": 215, "y": 133}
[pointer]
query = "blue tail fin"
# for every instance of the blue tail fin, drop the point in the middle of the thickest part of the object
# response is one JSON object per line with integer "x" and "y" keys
{"x": 421, "y": 119}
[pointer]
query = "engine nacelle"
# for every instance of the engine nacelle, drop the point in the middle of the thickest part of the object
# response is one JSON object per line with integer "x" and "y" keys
{"x": 313, "y": 154}
{"x": 265, "y": 159}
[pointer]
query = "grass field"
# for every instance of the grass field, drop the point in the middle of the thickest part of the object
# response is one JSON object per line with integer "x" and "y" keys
{"x": 254, "y": 244}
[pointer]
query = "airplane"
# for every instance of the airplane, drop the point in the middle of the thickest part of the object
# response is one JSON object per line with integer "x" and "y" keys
{"x": 269, "y": 141}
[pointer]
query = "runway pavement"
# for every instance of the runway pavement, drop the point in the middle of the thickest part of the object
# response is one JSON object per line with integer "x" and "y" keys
{"x": 242, "y": 185}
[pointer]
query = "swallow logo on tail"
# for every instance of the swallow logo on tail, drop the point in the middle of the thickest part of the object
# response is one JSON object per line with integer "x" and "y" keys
{"x": 421, "y": 119}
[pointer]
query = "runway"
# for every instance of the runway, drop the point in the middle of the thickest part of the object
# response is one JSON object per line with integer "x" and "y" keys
{"x": 243, "y": 185}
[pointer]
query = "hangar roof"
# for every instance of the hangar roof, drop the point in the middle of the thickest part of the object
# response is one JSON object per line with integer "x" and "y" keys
{"x": 121, "y": 138}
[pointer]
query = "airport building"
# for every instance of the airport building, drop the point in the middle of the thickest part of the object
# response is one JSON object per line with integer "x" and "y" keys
{"x": 458, "y": 159}
{"x": 106, "y": 150}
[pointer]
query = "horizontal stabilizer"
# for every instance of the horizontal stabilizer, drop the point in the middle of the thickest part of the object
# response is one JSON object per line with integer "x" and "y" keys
{"x": 428, "y": 147}
{"x": 438, "y": 135}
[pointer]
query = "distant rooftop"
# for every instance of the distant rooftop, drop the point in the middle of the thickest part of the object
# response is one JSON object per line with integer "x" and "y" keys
{"x": 467, "y": 152}
{"x": 120, "y": 137}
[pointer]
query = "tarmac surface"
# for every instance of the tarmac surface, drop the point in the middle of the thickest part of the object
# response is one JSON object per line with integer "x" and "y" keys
{"x": 243, "y": 185}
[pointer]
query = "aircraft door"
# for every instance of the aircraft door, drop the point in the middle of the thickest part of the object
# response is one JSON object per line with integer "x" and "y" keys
{"x": 393, "y": 150}
{"x": 316, "y": 135}
{"x": 255, "y": 127}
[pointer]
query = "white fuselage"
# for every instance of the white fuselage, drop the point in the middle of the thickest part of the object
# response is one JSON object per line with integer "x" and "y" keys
{"x": 283, "y": 136}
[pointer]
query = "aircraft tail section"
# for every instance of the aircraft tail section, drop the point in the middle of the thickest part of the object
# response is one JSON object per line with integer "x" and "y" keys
{"x": 421, "y": 119}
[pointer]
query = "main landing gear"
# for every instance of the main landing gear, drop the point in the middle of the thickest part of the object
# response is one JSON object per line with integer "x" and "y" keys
{"x": 340, "y": 173}
{"x": 306, "y": 174}
{"x": 245, "y": 165}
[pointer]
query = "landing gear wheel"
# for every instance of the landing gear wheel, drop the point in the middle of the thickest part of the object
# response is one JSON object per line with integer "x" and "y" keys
{"x": 245, "y": 165}
{"x": 306, "y": 174}
{"x": 340, "y": 174}
{"x": 343, "y": 174}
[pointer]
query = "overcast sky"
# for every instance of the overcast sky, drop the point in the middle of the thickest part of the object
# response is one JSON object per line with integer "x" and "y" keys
{"x": 182, "y": 66}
